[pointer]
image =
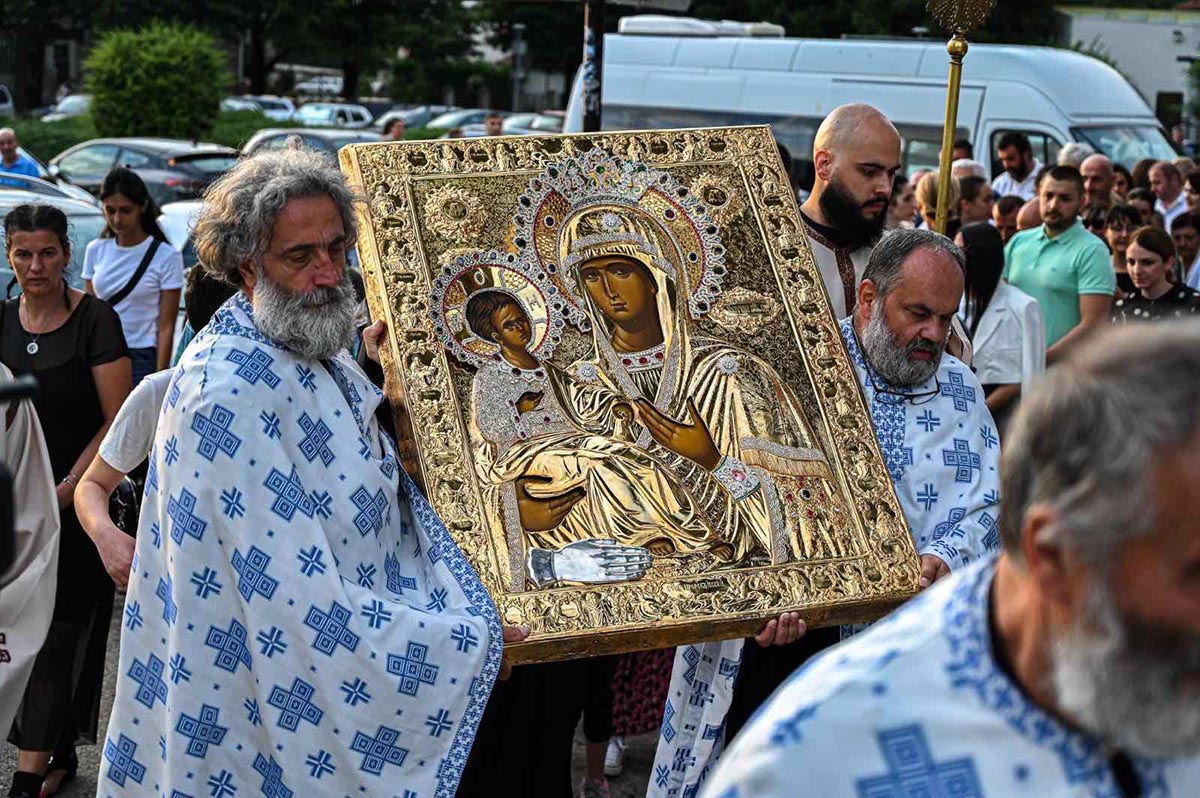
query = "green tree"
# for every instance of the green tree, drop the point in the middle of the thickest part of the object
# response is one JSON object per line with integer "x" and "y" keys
{"x": 163, "y": 80}
{"x": 30, "y": 26}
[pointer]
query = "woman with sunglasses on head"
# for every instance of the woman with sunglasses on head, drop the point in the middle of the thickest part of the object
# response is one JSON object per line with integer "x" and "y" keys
{"x": 1005, "y": 324}
{"x": 1121, "y": 222}
{"x": 1150, "y": 259}
{"x": 72, "y": 343}
{"x": 133, "y": 268}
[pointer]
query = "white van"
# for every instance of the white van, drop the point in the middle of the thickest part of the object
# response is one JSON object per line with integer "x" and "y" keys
{"x": 664, "y": 72}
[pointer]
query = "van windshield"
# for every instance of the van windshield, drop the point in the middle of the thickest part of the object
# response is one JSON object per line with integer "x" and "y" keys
{"x": 1127, "y": 144}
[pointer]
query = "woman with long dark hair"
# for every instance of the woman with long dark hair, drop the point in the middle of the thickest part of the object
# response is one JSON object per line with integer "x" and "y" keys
{"x": 72, "y": 343}
{"x": 1150, "y": 260}
{"x": 134, "y": 269}
{"x": 1004, "y": 323}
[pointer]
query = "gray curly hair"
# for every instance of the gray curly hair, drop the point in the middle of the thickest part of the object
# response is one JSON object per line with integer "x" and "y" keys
{"x": 238, "y": 216}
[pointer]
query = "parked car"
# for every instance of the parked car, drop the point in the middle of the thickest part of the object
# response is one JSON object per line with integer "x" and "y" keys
{"x": 66, "y": 189}
{"x": 240, "y": 104}
{"x": 71, "y": 105}
{"x": 7, "y": 107}
{"x": 459, "y": 118}
{"x": 173, "y": 169}
{"x": 333, "y": 115}
{"x": 327, "y": 140}
{"x": 527, "y": 124}
{"x": 86, "y": 223}
{"x": 414, "y": 117}
{"x": 177, "y": 221}
{"x": 280, "y": 109}
{"x": 465, "y": 132}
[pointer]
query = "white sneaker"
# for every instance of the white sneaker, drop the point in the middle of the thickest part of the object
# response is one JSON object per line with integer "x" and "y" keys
{"x": 593, "y": 789}
{"x": 614, "y": 757}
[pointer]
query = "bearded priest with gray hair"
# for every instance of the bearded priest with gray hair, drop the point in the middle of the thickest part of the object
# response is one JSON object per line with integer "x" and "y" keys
{"x": 1067, "y": 667}
{"x": 298, "y": 619}
{"x": 942, "y": 452}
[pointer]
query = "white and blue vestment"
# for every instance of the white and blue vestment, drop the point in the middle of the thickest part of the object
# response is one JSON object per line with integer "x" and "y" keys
{"x": 918, "y": 706}
{"x": 298, "y": 620}
{"x": 942, "y": 452}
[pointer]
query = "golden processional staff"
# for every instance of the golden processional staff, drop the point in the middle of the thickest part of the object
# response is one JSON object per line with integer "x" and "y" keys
{"x": 958, "y": 16}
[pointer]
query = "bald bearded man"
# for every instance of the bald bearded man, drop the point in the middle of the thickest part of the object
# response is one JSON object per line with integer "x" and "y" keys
{"x": 856, "y": 153}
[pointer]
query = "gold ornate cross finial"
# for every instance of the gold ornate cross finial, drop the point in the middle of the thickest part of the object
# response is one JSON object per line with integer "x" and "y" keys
{"x": 961, "y": 15}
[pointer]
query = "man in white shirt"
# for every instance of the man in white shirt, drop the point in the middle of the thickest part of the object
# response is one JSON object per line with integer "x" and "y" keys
{"x": 1167, "y": 185}
{"x": 1067, "y": 667}
{"x": 856, "y": 153}
{"x": 1020, "y": 167}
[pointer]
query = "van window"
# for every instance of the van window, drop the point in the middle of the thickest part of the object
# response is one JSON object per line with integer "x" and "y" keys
{"x": 1045, "y": 148}
{"x": 1127, "y": 144}
{"x": 922, "y": 146}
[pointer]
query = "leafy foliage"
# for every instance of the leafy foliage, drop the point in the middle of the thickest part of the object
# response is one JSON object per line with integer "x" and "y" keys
{"x": 163, "y": 80}
{"x": 47, "y": 139}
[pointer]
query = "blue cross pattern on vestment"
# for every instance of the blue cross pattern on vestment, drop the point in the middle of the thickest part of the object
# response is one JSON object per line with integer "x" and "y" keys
{"x": 929, "y": 421}
{"x": 121, "y": 762}
{"x": 290, "y": 494}
{"x": 315, "y": 442}
{"x": 331, "y": 628}
{"x": 170, "y": 608}
{"x": 295, "y": 705}
{"x": 184, "y": 520}
{"x": 202, "y": 731}
{"x": 991, "y": 540}
{"x": 963, "y": 460}
{"x": 950, "y": 525}
{"x": 412, "y": 668}
{"x": 927, "y": 496}
{"x": 230, "y": 645}
{"x": 464, "y": 638}
{"x": 221, "y": 785}
{"x": 148, "y": 676}
{"x": 373, "y": 510}
{"x": 397, "y": 582}
{"x": 378, "y": 750}
{"x": 252, "y": 574}
{"x": 912, "y": 771}
{"x": 214, "y": 433}
{"x": 272, "y": 773}
{"x": 254, "y": 366}
{"x": 668, "y": 730}
{"x": 691, "y": 655}
{"x": 439, "y": 723}
{"x": 962, "y": 394}
{"x": 320, "y": 764}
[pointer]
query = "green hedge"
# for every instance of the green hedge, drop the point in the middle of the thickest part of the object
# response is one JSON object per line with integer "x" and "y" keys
{"x": 161, "y": 80}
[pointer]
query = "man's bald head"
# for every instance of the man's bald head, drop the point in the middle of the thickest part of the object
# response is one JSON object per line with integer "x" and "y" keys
{"x": 1030, "y": 215}
{"x": 856, "y": 153}
{"x": 8, "y": 145}
{"x": 851, "y": 124}
{"x": 1097, "y": 171}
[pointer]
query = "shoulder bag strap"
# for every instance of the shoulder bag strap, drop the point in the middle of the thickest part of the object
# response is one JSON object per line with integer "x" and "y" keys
{"x": 116, "y": 298}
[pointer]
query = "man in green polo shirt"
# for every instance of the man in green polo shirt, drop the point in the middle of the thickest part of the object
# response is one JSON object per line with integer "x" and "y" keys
{"x": 1060, "y": 264}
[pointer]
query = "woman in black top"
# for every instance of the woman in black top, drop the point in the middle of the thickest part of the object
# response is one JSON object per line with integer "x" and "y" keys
{"x": 1119, "y": 225}
{"x": 73, "y": 344}
{"x": 1150, "y": 259}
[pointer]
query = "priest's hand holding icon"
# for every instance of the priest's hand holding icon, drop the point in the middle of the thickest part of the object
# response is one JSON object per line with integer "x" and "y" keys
{"x": 933, "y": 568}
{"x": 787, "y": 628}
{"x": 512, "y": 634}
{"x": 691, "y": 440}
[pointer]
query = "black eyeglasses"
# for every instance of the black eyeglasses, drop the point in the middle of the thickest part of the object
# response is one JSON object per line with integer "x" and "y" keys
{"x": 893, "y": 397}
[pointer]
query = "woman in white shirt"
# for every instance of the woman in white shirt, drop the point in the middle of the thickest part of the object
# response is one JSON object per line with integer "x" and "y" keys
{"x": 132, "y": 267}
{"x": 1005, "y": 324}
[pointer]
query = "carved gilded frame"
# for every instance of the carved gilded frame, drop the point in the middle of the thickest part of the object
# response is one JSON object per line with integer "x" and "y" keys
{"x": 400, "y": 258}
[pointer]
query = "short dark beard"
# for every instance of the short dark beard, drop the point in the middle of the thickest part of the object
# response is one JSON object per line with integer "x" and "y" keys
{"x": 845, "y": 214}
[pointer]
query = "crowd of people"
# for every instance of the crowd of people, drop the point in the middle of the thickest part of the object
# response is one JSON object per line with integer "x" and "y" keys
{"x": 287, "y": 574}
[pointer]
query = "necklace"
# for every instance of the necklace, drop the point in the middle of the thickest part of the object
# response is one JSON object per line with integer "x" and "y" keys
{"x": 32, "y": 347}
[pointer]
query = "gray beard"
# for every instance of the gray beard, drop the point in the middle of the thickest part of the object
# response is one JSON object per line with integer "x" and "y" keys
{"x": 1132, "y": 685}
{"x": 889, "y": 357}
{"x": 314, "y": 326}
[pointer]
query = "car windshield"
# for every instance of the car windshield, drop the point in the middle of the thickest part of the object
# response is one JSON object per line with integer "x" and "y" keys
{"x": 1128, "y": 144}
{"x": 76, "y": 103}
{"x": 271, "y": 105}
{"x": 319, "y": 112}
{"x": 452, "y": 119}
{"x": 214, "y": 164}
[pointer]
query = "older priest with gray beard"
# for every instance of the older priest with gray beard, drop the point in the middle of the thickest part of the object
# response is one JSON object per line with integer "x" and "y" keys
{"x": 298, "y": 619}
{"x": 1068, "y": 667}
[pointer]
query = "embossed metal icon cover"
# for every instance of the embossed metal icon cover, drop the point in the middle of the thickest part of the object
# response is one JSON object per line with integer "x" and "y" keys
{"x": 622, "y": 387}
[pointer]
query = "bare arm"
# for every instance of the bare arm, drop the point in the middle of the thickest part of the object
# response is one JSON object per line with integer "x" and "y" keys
{"x": 113, "y": 382}
{"x": 1093, "y": 312}
{"x": 1003, "y": 396}
{"x": 91, "y": 506}
{"x": 168, "y": 310}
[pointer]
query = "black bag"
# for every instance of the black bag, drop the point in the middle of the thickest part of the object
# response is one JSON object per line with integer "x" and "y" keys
{"x": 147, "y": 259}
{"x": 124, "y": 506}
